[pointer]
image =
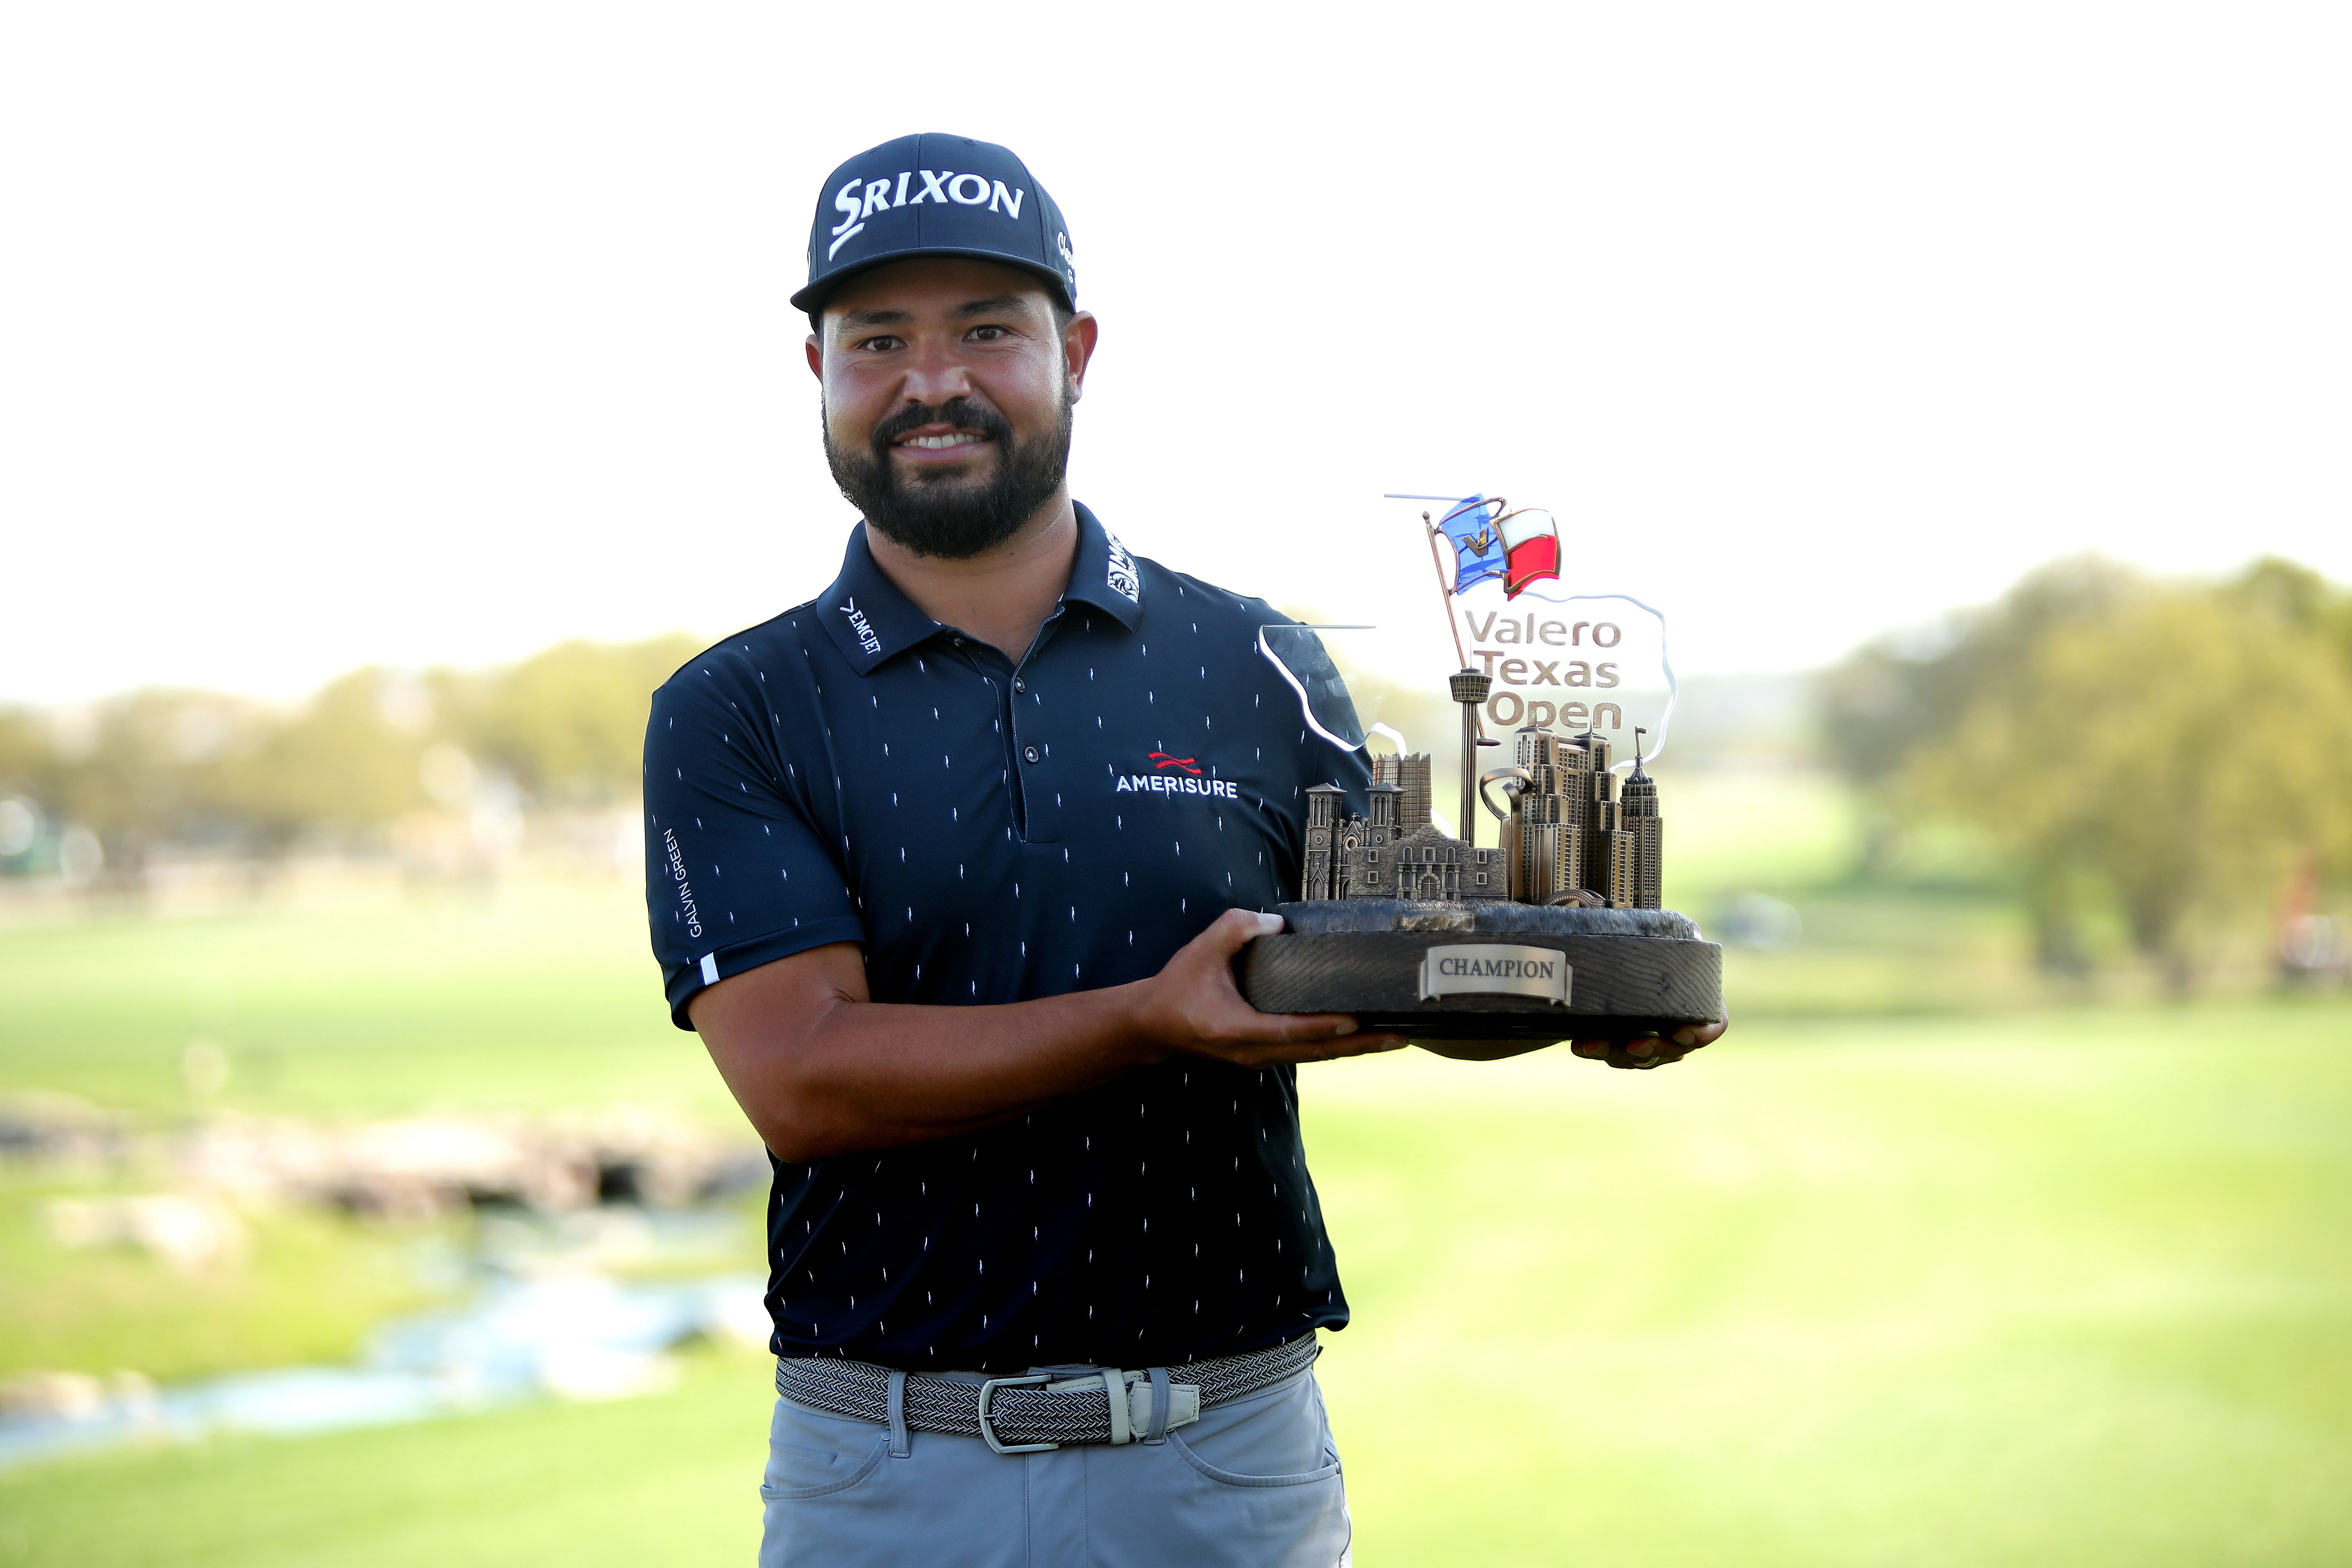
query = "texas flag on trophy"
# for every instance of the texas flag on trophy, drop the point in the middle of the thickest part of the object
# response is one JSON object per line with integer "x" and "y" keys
{"x": 1530, "y": 550}
{"x": 1491, "y": 541}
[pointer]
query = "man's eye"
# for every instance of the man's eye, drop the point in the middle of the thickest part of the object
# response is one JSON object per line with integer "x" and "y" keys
{"x": 986, "y": 334}
{"x": 879, "y": 344}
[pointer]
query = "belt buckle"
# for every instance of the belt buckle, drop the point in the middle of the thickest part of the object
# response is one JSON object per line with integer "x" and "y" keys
{"x": 987, "y": 1433}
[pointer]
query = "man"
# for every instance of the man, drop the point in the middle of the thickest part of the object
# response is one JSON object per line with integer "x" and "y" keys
{"x": 1046, "y": 1265}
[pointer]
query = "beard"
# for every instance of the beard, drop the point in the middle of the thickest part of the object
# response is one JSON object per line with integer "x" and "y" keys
{"x": 952, "y": 515}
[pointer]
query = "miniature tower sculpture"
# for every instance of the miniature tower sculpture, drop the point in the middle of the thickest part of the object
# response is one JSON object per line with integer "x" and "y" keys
{"x": 1570, "y": 839}
{"x": 1602, "y": 815}
{"x": 1409, "y": 772}
{"x": 1635, "y": 875}
{"x": 1377, "y": 868}
{"x": 1318, "y": 866}
{"x": 1546, "y": 834}
{"x": 1470, "y": 689}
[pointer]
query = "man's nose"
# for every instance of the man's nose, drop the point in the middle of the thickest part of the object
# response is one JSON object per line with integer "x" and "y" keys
{"x": 935, "y": 375}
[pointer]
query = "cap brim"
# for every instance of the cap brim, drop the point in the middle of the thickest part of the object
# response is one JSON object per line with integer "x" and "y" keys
{"x": 813, "y": 297}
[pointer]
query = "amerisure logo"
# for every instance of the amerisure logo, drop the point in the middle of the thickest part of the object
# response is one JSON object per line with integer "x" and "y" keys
{"x": 1175, "y": 775}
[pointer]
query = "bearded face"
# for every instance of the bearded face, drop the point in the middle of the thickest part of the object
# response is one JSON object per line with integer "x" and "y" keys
{"x": 952, "y": 508}
{"x": 948, "y": 385}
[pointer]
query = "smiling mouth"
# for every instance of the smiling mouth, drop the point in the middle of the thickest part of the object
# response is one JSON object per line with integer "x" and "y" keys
{"x": 953, "y": 438}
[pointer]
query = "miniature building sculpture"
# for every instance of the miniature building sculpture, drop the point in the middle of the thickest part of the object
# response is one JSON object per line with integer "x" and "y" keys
{"x": 1550, "y": 835}
{"x": 1636, "y": 864}
{"x": 1569, "y": 839}
{"x": 1410, "y": 773}
{"x": 1382, "y": 855}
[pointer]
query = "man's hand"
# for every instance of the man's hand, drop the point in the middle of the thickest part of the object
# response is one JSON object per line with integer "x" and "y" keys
{"x": 1192, "y": 1007}
{"x": 822, "y": 1069}
{"x": 1652, "y": 1050}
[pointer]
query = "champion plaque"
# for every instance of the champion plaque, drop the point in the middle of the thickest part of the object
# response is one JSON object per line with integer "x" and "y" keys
{"x": 1492, "y": 970}
{"x": 1557, "y": 930}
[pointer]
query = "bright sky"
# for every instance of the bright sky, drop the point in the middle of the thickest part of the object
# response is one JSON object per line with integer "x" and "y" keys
{"x": 338, "y": 334}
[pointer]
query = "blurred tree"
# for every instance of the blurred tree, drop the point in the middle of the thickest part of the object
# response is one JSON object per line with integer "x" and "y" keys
{"x": 1896, "y": 694}
{"x": 2295, "y": 595}
{"x": 568, "y": 725}
{"x": 340, "y": 766}
{"x": 132, "y": 770}
{"x": 196, "y": 768}
{"x": 27, "y": 761}
{"x": 2177, "y": 744}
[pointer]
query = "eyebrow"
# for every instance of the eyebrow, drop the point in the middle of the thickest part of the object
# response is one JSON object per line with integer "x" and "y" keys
{"x": 887, "y": 316}
{"x": 995, "y": 304}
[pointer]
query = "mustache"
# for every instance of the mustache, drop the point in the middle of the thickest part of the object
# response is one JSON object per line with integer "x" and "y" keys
{"x": 959, "y": 412}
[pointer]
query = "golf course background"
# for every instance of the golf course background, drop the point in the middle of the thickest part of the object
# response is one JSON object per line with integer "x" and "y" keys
{"x": 1923, "y": 1263}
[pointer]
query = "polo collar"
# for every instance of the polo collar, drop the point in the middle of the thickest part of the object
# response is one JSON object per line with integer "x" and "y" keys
{"x": 870, "y": 620}
{"x": 1103, "y": 575}
{"x": 868, "y": 616}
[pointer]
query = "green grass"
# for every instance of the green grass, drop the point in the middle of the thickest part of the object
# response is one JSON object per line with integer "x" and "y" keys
{"x": 541, "y": 994}
{"x": 1947, "y": 1285}
{"x": 2070, "y": 1288}
{"x": 312, "y": 1287}
{"x": 670, "y": 1480}
{"x": 1739, "y": 829}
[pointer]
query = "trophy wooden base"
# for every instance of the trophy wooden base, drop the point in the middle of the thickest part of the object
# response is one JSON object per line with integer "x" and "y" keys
{"x": 1482, "y": 970}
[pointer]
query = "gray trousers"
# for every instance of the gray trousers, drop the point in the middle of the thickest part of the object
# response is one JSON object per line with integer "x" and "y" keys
{"x": 1253, "y": 1484}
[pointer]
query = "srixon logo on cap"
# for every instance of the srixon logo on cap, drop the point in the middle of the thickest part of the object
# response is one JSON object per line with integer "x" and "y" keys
{"x": 861, "y": 198}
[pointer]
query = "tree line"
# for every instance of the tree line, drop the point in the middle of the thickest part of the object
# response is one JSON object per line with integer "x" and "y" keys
{"x": 206, "y": 771}
{"x": 2170, "y": 752}
{"x": 2177, "y": 752}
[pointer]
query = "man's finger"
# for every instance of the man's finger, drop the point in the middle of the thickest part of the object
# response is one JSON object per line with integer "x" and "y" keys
{"x": 1233, "y": 930}
{"x": 1286, "y": 1027}
{"x": 1356, "y": 1045}
{"x": 1326, "y": 1050}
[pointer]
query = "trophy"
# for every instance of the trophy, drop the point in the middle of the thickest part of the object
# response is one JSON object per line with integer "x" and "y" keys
{"x": 1557, "y": 930}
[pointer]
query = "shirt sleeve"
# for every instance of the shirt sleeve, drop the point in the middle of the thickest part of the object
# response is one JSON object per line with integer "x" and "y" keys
{"x": 738, "y": 874}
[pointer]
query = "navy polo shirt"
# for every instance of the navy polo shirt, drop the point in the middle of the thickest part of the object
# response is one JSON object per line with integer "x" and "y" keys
{"x": 991, "y": 832}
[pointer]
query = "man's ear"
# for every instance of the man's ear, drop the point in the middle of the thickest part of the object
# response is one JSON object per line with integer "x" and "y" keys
{"x": 815, "y": 357}
{"x": 1078, "y": 350}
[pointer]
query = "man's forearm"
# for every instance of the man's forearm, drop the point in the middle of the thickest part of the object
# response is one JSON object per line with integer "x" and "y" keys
{"x": 821, "y": 1071}
{"x": 864, "y": 1075}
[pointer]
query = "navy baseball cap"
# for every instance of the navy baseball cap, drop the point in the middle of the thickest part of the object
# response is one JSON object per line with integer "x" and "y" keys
{"x": 935, "y": 195}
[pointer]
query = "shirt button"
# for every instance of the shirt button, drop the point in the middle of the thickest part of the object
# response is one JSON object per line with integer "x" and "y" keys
{"x": 959, "y": 642}
{"x": 1020, "y": 686}
{"x": 1030, "y": 752}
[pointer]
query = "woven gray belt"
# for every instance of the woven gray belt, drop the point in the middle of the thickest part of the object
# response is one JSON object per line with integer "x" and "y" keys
{"x": 1040, "y": 1410}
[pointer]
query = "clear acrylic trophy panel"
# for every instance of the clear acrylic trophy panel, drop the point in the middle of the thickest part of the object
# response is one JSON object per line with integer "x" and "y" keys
{"x": 1365, "y": 688}
{"x": 1343, "y": 694}
{"x": 1573, "y": 662}
{"x": 1559, "y": 655}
